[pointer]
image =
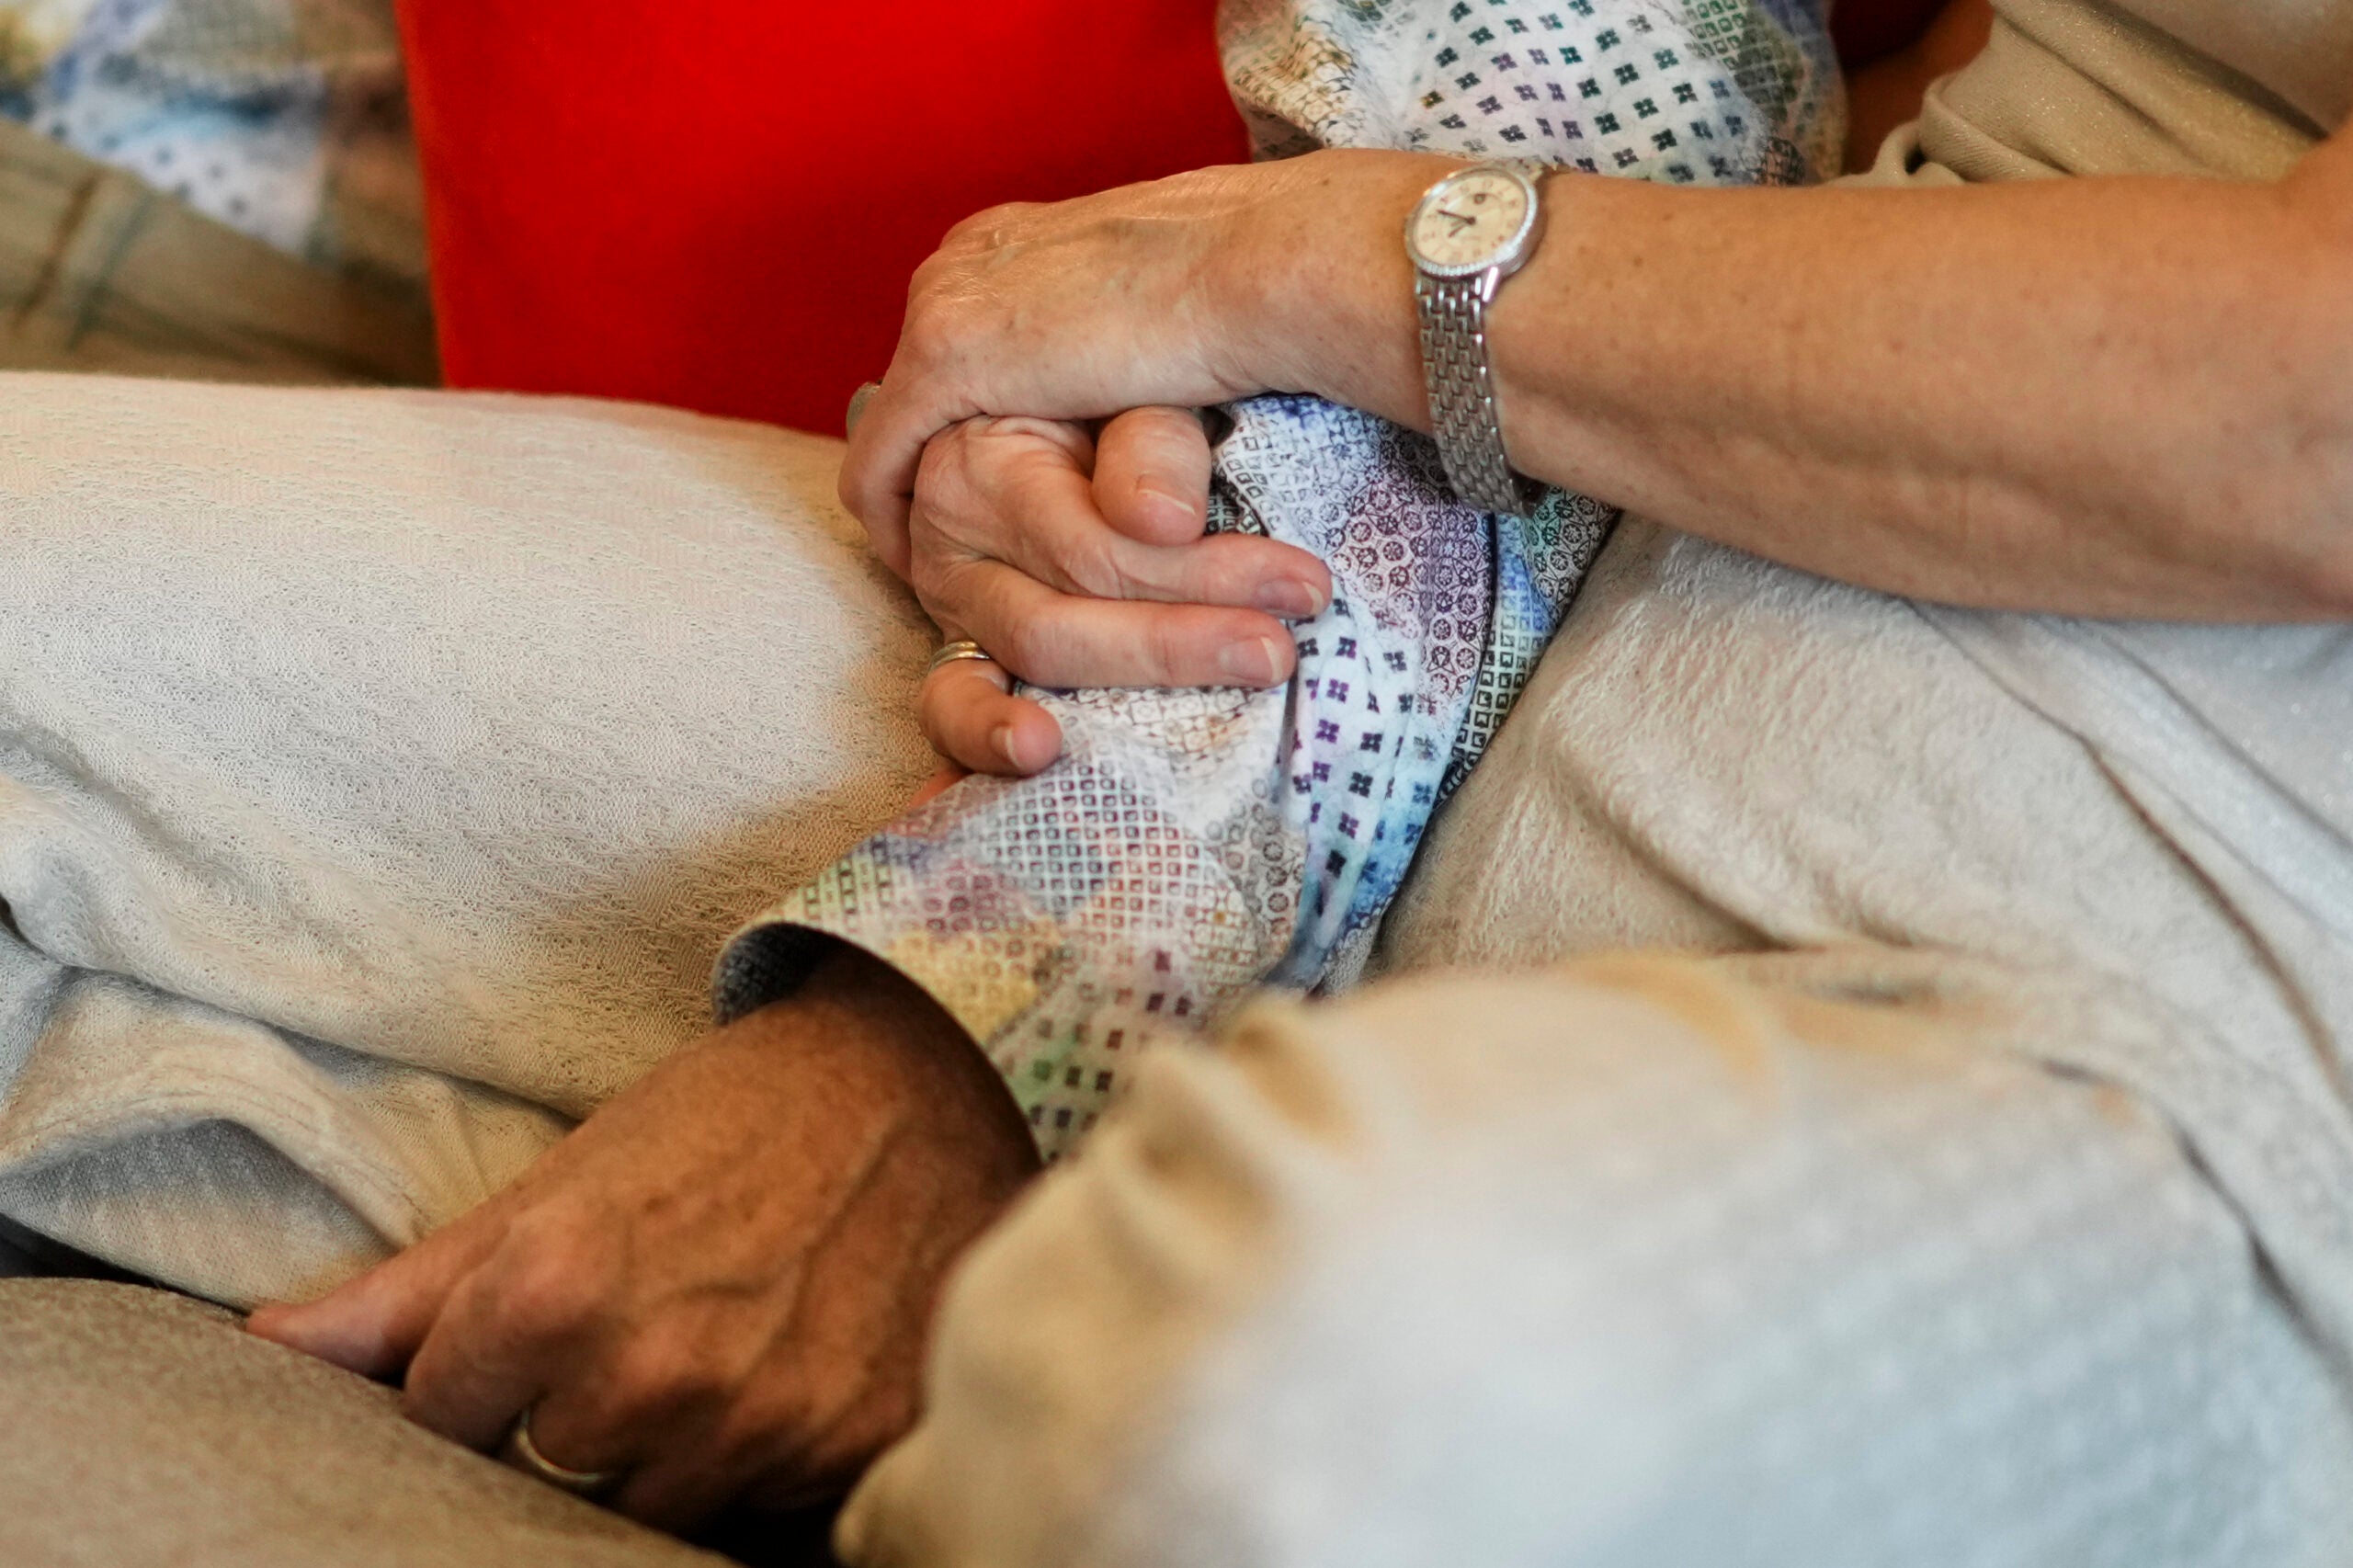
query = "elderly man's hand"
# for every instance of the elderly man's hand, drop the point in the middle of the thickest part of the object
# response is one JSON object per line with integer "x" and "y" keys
{"x": 1082, "y": 563}
{"x": 720, "y": 1284}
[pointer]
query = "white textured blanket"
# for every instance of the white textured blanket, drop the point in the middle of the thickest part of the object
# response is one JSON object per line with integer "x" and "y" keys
{"x": 379, "y": 773}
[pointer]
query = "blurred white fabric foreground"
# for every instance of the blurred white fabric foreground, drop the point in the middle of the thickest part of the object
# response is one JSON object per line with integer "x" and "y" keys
{"x": 1649, "y": 1261}
{"x": 380, "y": 773}
{"x": 1981, "y": 1202}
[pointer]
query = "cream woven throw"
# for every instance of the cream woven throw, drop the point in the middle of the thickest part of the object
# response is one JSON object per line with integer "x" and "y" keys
{"x": 378, "y": 775}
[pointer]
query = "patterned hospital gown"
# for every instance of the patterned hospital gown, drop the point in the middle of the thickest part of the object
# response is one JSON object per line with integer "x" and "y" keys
{"x": 1190, "y": 846}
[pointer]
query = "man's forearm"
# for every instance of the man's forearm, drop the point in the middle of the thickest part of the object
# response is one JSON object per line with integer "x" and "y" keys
{"x": 2098, "y": 396}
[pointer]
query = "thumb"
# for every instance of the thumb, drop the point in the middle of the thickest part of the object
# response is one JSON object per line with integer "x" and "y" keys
{"x": 1152, "y": 475}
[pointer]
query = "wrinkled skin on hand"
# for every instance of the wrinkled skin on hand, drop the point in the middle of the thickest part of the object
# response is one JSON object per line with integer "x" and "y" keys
{"x": 720, "y": 1284}
{"x": 1081, "y": 561}
{"x": 1056, "y": 311}
{"x": 1129, "y": 308}
{"x": 1183, "y": 292}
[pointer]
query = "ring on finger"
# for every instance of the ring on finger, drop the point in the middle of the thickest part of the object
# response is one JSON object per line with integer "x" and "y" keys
{"x": 523, "y": 1452}
{"x": 961, "y": 649}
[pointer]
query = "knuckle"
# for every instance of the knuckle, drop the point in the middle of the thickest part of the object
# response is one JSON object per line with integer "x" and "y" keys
{"x": 1029, "y": 648}
{"x": 546, "y": 1291}
{"x": 938, "y": 602}
{"x": 1093, "y": 566}
{"x": 1009, "y": 469}
{"x": 932, "y": 510}
{"x": 1003, "y": 461}
{"x": 740, "y": 1446}
{"x": 938, "y": 554}
{"x": 661, "y": 1372}
{"x": 989, "y": 226}
{"x": 768, "y": 1430}
{"x": 543, "y": 1305}
{"x": 1232, "y": 565}
{"x": 960, "y": 693}
{"x": 964, "y": 748}
{"x": 940, "y": 696}
{"x": 934, "y": 326}
{"x": 928, "y": 576}
{"x": 932, "y": 274}
{"x": 1168, "y": 645}
{"x": 1163, "y": 432}
{"x": 943, "y": 455}
{"x": 941, "y": 584}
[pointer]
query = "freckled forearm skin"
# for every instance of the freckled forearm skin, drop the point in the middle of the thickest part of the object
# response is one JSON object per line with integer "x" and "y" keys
{"x": 2105, "y": 397}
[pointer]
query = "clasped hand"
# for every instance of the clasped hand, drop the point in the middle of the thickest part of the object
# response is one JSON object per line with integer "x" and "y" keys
{"x": 720, "y": 1284}
{"x": 1079, "y": 560}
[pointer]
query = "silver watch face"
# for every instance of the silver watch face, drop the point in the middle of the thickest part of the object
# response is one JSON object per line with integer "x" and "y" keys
{"x": 1470, "y": 221}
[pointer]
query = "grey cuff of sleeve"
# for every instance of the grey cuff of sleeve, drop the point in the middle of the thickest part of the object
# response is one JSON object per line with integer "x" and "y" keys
{"x": 763, "y": 964}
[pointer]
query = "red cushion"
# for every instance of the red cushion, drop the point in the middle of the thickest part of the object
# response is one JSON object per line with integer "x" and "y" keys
{"x": 1872, "y": 29}
{"x": 717, "y": 205}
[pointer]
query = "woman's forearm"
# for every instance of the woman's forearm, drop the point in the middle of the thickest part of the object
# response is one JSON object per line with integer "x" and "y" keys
{"x": 2099, "y": 396}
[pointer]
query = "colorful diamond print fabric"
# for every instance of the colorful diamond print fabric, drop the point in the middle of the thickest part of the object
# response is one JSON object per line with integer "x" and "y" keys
{"x": 1191, "y": 847}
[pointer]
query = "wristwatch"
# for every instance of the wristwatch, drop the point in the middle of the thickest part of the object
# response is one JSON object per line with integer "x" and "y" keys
{"x": 1470, "y": 232}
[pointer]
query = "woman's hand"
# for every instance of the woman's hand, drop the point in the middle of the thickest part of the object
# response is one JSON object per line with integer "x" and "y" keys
{"x": 1081, "y": 563}
{"x": 1186, "y": 292}
{"x": 721, "y": 1285}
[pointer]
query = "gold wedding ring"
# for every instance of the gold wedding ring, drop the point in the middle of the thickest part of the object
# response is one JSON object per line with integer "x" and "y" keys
{"x": 525, "y": 1455}
{"x": 963, "y": 648}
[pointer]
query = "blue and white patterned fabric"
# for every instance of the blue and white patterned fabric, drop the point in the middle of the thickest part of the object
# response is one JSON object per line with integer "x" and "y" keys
{"x": 1191, "y": 846}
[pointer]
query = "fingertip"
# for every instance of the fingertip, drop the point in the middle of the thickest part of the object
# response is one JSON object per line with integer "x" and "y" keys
{"x": 1152, "y": 473}
{"x": 1154, "y": 508}
{"x": 1257, "y": 653}
{"x": 264, "y": 1321}
{"x": 876, "y": 482}
{"x": 373, "y": 1323}
{"x": 1286, "y": 658}
{"x": 1294, "y": 598}
{"x": 1029, "y": 739}
{"x": 289, "y": 1322}
{"x": 1015, "y": 739}
{"x": 976, "y": 721}
{"x": 317, "y": 1330}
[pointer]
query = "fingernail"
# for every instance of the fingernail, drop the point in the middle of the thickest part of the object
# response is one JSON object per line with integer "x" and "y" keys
{"x": 1168, "y": 490}
{"x": 1251, "y": 663}
{"x": 1001, "y": 741}
{"x": 1291, "y": 598}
